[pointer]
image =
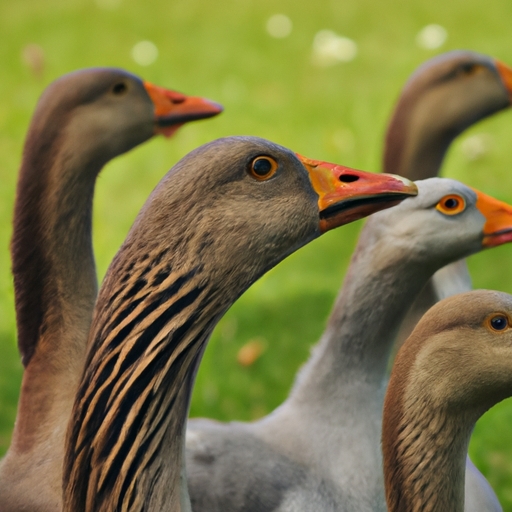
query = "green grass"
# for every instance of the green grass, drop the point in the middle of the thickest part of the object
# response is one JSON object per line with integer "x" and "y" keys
{"x": 269, "y": 88}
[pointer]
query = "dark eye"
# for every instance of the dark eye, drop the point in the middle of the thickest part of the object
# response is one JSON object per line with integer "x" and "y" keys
{"x": 263, "y": 167}
{"x": 119, "y": 88}
{"x": 498, "y": 322}
{"x": 451, "y": 204}
{"x": 467, "y": 69}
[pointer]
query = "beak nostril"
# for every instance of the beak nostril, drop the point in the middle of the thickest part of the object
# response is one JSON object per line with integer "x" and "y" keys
{"x": 177, "y": 101}
{"x": 348, "y": 178}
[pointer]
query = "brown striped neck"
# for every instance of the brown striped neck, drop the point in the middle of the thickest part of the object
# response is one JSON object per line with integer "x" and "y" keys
{"x": 128, "y": 425}
{"x": 424, "y": 449}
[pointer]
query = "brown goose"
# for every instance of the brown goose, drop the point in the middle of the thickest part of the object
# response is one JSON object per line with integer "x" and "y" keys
{"x": 82, "y": 120}
{"x": 224, "y": 215}
{"x": 320, "y": 450}
{"x": 456, "y": 364}
{"x": 441, "y": 99}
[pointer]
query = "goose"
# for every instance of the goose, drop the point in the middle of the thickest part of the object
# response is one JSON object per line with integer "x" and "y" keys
{"x": 443, "y": 97}
{"x": 455, "y": 366}
{"x": 222, "y": 217}
{"x": 82, "y": 120}
{"x": 320, "y": 450}
{"x": 460, "y": 87}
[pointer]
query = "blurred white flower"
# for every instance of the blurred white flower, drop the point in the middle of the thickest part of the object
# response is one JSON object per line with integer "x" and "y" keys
{"x": 144, "y": 53}
{"x": 279, "y": 26}
{"x": 330, "y": 48}
{"x": 109, "y": 5}
{"x": 431, "y": 37}
{"x": 476, "y": 146}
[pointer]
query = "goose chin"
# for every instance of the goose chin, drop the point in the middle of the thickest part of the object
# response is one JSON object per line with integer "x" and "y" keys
{"x": 498, "y": 238}
{"x": 168, "y": 124}
{"x": 354, "y": 209}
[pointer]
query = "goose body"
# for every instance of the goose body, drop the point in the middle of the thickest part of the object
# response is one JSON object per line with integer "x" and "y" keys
{"x": 223, "y": 216}
{"x": 441, "y": 99}
{"x": 82, "y": 120}
{"x": 456, "y": 364}
{"x": 323, "y": 443}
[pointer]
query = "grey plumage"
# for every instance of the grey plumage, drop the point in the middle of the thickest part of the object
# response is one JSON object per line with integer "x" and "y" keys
{"x": 329, "y": 427}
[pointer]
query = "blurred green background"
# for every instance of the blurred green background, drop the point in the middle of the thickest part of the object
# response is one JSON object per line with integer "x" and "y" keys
{"x": 329, "y": 103}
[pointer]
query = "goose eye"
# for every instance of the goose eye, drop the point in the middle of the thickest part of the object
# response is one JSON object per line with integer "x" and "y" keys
{"x": 119, "y": 88}
{"x": 451, "y": 205}
{"x": 468, "y": 69}
{"x": 498, "y": 322}
{"x": 263, "y": 168}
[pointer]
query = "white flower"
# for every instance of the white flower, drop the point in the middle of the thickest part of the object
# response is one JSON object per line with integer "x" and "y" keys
{"x": 144, "y": 53}
{"x": 431, "y": 37}
{"x": 279, "y": 26}
{"x": 330, "y": 48}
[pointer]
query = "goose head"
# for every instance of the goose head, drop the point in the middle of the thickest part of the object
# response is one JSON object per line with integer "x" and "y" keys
{"x": 442, "y": 98}
{"x": 445, "y": 222}
{"x": 462, "y": 348}
{"x": 103, "y": 112}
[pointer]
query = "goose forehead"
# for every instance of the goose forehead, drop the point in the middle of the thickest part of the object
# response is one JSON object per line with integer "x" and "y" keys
{"x": 85, "y": 84}
{"x": 432, "y": 190}
{"x": 471, "y": 307}
{"x": 442, "y": 64}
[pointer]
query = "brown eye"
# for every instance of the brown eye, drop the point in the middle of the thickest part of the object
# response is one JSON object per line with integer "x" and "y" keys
{"x": 451, "y": 205}
{"x": 263, "y": 168}
{"x": 119, "y": 88}
{"x": 498, "y": 322}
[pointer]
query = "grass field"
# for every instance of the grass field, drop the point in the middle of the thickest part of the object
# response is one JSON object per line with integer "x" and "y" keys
{"x": 270, "y": 87}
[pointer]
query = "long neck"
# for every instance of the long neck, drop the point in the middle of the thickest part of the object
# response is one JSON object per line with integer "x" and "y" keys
{"x": 415, "y": 142}
{"x": 355, "y": 347}
{"x": 127, "y": 429}
{"x": 54, "y": 280}
{"x": 424, "y": 448}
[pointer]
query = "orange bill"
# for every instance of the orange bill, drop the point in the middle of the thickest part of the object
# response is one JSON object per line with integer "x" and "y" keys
{"x": 346, "y": 195}
{"x": 498, "y": 220}
{"x": 506, "y": 76}
{"x": 173, "y": 109}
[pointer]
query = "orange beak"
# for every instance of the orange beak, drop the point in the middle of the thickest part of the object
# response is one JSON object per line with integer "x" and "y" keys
{"x": 173, "y": 109}
{"x": 346, "y": 195}
{"x": 498, "y": 220}
{"x": 506, "y": 76}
